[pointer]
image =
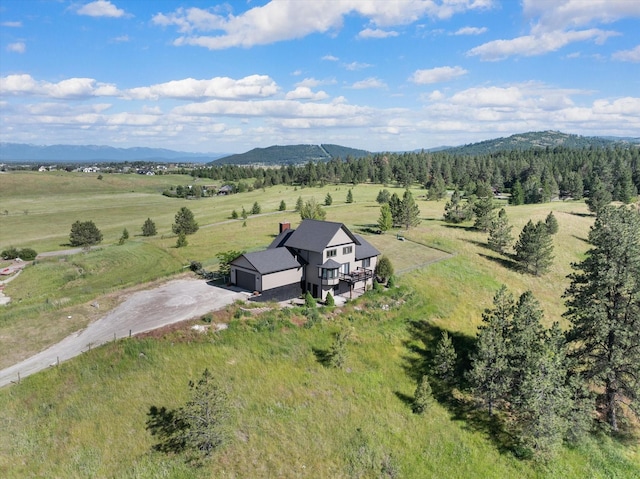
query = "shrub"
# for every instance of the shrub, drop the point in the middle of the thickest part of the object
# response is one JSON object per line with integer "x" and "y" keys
{"x": 330, "y": 301}
{"x": 84, "y": 234}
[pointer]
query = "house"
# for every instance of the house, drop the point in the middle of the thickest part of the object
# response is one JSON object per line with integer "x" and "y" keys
{"x": 318, "y": 256}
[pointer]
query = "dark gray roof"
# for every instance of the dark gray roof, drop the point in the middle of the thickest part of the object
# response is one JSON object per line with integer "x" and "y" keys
{"x": 281, "y": 239}
{"x": 364, "y": 249}
{"x": 314, "y": 235}
{"x": 331, "y": 264}
{"x": 272, "y": 260}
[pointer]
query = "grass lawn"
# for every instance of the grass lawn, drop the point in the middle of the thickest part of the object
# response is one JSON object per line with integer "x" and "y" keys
{"x": 292, "y": 416}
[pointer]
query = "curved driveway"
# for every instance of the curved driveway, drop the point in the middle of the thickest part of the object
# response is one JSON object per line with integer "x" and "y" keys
{"x": 175, "y": 301}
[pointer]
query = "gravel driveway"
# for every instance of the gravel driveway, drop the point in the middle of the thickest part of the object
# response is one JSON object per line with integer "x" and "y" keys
{"x": 175, "y": 301}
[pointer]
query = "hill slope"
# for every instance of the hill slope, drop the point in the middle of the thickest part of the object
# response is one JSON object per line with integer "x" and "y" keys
{"x": 539, "y": 139}
{"x": 291, "y": 155}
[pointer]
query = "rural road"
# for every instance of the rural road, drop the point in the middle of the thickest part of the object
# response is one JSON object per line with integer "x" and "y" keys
{"x": 172, "y": 302}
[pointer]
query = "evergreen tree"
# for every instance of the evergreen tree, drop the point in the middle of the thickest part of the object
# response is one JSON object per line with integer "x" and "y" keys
{"x": 409, "y": 211}
{"x": 383, "y": 196}
{"x": 338, "y": 349}
{"x": 603, "y": 302}
{"x": 385, "y": 221}
{"x": 394, "y": 205}
{"x": 256, "y": 209}
{"x": 234, "y": 215}
{"x": 384, "y": 268}
{"x": 181, "y": 242}
{"x": 552, "y": 223}
{"x": 329, "y": 301}
{"x": 517, "y": 194}
{"x": 437, "y": 189}
{"x": 482, "y": 209}
{"x": 500, "y": 232}
{"x": 184, "y": 222}
{"x": 599, "y": 196}
{"x": 349, "y": 196}
{"x": 423, "y": 397}
{"x": 445, "y": 359}
{"x": 455, "y": 211}
{"x": 124, "y": 237}
{"x": 309, "y": 300}
{"x": 328, "y": 200}
{"x": 299, "y": 204}
{"x": 489, "y": 374}
{"x": 534, "y": 248}
{"x": 149, "y": 228}
{"x": 283, "y": 206}
{"x": 312, "y": 210}
{"x": 244, "y": 214}
{"x": 84, "y": 234}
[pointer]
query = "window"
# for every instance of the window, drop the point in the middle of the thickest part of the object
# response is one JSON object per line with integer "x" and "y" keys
{"x": 347, "y": 249}
{"x": 366, "y": 262}
{"x": 328, "y": 273}
{"x": 331, "y": 252}
{"x": 344, "y": 268}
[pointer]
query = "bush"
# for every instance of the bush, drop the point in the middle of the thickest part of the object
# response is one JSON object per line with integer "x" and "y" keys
{"x": 11, "y": 253}
{"x": 309, "y": 301}
{"x": 27, "y": 254}
{"x": 384, "y": 268}
{"x": 149, "y": 228}
{"x": 84, "y": 234}
{"x": 330, "y": 301}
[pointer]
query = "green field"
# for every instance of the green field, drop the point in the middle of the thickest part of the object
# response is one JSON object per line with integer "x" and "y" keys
{"x": 293, "y": 417}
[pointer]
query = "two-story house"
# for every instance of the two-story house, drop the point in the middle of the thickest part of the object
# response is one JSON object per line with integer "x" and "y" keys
{"x": 318, "y": 256}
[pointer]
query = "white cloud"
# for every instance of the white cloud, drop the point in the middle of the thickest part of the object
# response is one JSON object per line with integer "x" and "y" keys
{"x": 563, "y": 14}
{"x": 369, "y": 83}
{"x": 219, "y": 87}
{"x": 281, "y": 20}
{"x": 17, "y": 47}
{"x": 100, "y": 8}
{"x": 437, "y": 75}
{"x": 354, "y": 66}
{"x": 376, "y": 33}
{"x": 471, "y": 31}
{"x": 330, "y": 58}
{"x": 305, "y": 93}
{"x": 121, "y": 39}
{"x": 69, "y": 88}
{"x": 632, "y": 55}
{"x": 532, "y": 45}
{"x": 11, "y": 24}
{"x": 313, "y": 82}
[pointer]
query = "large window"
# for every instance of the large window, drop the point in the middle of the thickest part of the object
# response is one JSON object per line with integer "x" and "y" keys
{"x": 328, "y": 273}
{"x": 344, "y": 268}
{"x": 366, "y": 262}
{"x": 331, "y": 252}
{"x": 347, "y": 249}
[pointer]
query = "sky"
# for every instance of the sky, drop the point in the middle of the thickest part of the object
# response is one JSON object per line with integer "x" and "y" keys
{"x": 380, "y": 75}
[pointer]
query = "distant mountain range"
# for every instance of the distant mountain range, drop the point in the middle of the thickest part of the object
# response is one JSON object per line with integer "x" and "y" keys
{"x": 290, "y": 154}
{"x": 94, "y": 153}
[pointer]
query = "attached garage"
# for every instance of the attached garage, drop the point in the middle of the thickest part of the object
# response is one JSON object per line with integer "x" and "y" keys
{"x": 245, "y": 280}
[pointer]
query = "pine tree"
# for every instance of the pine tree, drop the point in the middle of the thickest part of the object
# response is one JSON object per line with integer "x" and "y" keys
{"x": 234, "y": 215}
{"x": 517, "y": 194}
{"x": 489, "y": 374}
{"x": 552, "y": 223}
{"x": 395, "y": 206}
{"x": 349, "y": 196}
{"x": 437, "y": 189}
{"x": 385, "y": 221}
{"x": 256, "y": 209}
{"x": 423, "y": 397}
{"x": 84, "y": 234}
{"x": 599, "y": 196}
{"x": 299, "y": 204}
{"x": 500, "y": 232}
{"x": 181, "y": 242}
{"x": 603, "y": 302}
{"x": 455, "y": 211}
{"x": 482, "y": 209}
{"x": 328, "y": 200}
{"x": 184, "y": 222}
{"x": 312, "y": 210}
{"x": 534, "y": 248}
{"x": 283, "y": 206}
{"x": 383, "y": 196}
{"x": 409, "y": 211}
{"x": 149, "y": 228}
{"x": 445, "y": 359}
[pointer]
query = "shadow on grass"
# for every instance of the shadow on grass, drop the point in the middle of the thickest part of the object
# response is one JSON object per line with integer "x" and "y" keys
{"x": 424, "y": 337}
{"x": 166, "y": 426}
{"x": 584, "y": 240}
{"x": 480, "y": 244}
{"x": 581, "y": 215}
{"x": 504, "y": 262}
{"x": 323, "y": 356}
{"x": 460, "y": 227}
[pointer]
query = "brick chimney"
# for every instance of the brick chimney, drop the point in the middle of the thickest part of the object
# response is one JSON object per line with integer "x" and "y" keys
{"x": 284, "y": 226}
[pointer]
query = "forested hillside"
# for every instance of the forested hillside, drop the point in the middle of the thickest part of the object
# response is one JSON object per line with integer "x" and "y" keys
{"x": 292, "y": 155}
{"x": 537, "y": 175}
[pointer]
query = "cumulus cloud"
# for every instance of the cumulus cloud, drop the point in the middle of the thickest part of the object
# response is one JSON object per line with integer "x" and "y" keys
{"x": 632, "y": 55}
{"x": 11, "y": 24}
{"x": 305, "y": 93}
{"x": 437, "y": 75}
{"x": 330, "y": 58}
{"x": 100, "y": 8}
{"x": 563, "y": 14}
{"x": 219, "y": 87}
{"x": 471, "y": 31}
{"x": 532, "y": 45}
{"x": 355, "y": 66}
{"x": 17, "y": 47}
{"x": 369, "y": 83}
{"x": 70, "y": 88}
{"x": 314, "y": 82}
{"x": 376, "y": 33}
{"x": 281, "y": 20}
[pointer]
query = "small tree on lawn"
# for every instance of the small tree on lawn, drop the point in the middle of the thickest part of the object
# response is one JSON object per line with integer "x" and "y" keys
{"x": 184, "y": 222}
{"x": 84, "y": 234}
{"x": 181, "y": 242}
{"x": 328, "y": 200}
{"x": 299, "y": 204}
{"x": 383, "y": 196}
{"x": 234, "y": 215}
{"x": 309, "y": 300}
{"x": 482, "y": 209}
{"x": 455, "y": 211}
{"x": 283, "y": 206}
{"x": 534, "y": 248}
{"x": 349, "y": 196}
{"x": 338, "y": 349}
{"x": 255, "y": 210}
{"x": 423, "y": 397}
{"x": 385, "y": 221}
{"x": 329, "y": 301}
{"x": 149, "y": 228}
{"x": 552, "y": 223}
{"x": 409, "y": 211}
{"x": 500, "y": 232}
{"x": 312, "y": 210}
{"x": 124, "y": 237}
{"x": 384, "y": 269}
{"x": 445, "y": 359}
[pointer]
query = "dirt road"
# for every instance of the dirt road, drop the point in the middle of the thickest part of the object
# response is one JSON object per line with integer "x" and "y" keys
{"x": 172, "y": 302}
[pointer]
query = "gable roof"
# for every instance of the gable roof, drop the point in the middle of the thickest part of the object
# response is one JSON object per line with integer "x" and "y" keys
{"x": 281, "y": 239}
{"x": 365, "y": 249}
{"x": 270, "y": 261}
{"x": 315, "y": 235}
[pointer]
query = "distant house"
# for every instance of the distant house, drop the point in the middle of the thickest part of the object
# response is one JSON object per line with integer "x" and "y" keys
{"x": 318, "y": 256}
{"x": 225, "y": 190}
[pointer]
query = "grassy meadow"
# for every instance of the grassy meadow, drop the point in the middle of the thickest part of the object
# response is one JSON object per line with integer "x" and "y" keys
{"x": 292, "y": 416}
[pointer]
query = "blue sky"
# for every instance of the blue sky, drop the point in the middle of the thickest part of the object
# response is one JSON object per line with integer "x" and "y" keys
{"x": 382, "y": 75}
